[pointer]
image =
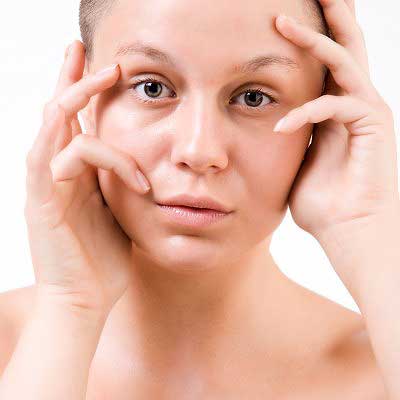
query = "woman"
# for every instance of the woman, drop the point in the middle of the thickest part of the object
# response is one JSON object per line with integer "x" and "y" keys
{"x": 135, "y": 299}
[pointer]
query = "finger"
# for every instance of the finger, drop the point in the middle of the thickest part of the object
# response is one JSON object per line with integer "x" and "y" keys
{"x": 77, "y": 96}
{"x": 86, "y": 150}
{"x": 76, "y": 126}
{"x": 347, "y": 73}
{"x": 344, "y": 109}
{"x": 345, "y": 29}
{"x": 67, "y": 132}
{"x": 39, "y": 182}
{"x": 351, "y": 5}
{"x": 72, "y": 68}
{"x": 71, "y": 72}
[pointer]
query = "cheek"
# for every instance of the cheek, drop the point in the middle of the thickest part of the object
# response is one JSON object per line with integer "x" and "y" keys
{"x": 266, "y": 165}
{"x": 269, "y": 168}
{"x": 124, "y": 129}
{"x": 268, "y": 171}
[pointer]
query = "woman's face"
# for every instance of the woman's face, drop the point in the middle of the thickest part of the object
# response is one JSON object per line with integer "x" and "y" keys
{"x": 201, "y": 134}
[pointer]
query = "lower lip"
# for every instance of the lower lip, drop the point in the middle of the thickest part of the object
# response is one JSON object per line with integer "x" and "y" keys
{"x": 188, "y": 216}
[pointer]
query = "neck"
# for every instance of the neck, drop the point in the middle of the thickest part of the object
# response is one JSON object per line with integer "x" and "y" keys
{"x": 186, "y": 318}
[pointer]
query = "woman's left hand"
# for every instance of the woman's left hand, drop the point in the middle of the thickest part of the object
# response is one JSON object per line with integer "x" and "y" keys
{"x": 349, "y": 171}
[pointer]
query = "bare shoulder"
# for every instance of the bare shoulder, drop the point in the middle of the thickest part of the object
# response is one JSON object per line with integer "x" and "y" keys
{"x": 14, "y": 308}
{"x": 355, "y": 359}
{"x": 16, "y": 304}
{"x": 346, "y": 366}
{"x": 350, "y": 358}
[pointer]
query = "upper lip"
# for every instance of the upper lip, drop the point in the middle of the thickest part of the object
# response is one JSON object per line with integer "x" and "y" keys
{"x": 196, "y": 202}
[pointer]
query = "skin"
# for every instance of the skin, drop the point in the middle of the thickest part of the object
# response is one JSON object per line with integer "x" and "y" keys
{"x": 195, "y": 144}
{"x": 185, "y": 138}
{"x": 207, "y": 311}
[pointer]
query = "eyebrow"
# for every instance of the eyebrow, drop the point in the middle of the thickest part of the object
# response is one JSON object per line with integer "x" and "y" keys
{"x": 251, "y": 65}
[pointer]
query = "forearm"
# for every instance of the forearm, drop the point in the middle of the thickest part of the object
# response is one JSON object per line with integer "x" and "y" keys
{"x": 53, "y": 355}
{"x": 368, "y": 262}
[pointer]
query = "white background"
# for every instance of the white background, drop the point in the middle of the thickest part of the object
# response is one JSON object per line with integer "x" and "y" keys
{"x": 33, "y": 38}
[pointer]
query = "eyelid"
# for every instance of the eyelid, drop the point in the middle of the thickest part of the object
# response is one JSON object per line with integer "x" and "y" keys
{"x": 146, "y": 79}
{"x": 242, "y": 90}
{"x": 260, "y": 108}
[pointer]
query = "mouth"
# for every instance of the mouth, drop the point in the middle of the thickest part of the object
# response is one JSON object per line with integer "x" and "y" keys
{"x": 196, "y": 202}
{"x": 192, "y": 216}
{"x": 194, "y": 209}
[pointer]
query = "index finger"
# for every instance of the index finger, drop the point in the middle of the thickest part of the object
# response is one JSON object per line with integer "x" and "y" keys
{"x": 352, "y": 6}
{"x": 71, "y": 72}
{"x": 347, "y": 32}
{"x": 77, "y": 96}
{"x": 72, "y": 69}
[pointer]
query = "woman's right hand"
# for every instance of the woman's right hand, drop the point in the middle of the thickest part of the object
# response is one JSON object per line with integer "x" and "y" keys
{"x": 79, "y": 251}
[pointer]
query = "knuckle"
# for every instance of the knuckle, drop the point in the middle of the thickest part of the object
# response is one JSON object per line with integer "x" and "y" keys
{"x": 305, "y": 108}
{"x": 326, "y": 98}
{"x": 50, "y": 108}
{"x": 313, "y": 42}
{"x": 338, "y": 64}
{"x": 79, "y": 141}
{"x": 86, "y": 82}
{"x": 85, "y": 93}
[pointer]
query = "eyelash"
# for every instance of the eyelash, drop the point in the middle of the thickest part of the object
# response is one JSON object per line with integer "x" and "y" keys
{"x": 257, "y": 90}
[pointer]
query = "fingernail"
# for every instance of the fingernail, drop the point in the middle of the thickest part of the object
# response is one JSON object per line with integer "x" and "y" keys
{"x": 107, "y": 71}
{"x": 279, "y": 125}
{"x": 143, "y": 182}
{"x": 283, "y": 18}
{"x": 68, "y": 51}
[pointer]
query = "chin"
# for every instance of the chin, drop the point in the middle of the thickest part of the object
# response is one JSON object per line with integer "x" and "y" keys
{"x": 184, "y": 253}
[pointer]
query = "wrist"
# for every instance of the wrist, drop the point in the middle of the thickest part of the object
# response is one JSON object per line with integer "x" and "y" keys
{"x": 341, "y": 235}
{"x": 359, "y": 249}
{"x": 50, "y": 300}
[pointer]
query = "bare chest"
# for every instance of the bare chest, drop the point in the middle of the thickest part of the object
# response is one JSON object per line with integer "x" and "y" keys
{"x": 127, "y": 383}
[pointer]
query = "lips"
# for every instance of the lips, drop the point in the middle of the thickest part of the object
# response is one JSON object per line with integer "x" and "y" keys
{"x": 191, "y": 216}
{"x": 198, "y": 202}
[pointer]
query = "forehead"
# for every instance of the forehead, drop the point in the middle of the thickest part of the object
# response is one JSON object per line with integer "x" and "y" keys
{"x": 201, "y": 33}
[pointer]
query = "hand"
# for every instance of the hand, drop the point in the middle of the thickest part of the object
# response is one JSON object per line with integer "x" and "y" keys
{"x": 79, "y": 252}
{"x": 349, "y": 171}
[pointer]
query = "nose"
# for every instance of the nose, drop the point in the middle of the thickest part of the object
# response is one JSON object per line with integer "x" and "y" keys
{"x": 199, "y": 141}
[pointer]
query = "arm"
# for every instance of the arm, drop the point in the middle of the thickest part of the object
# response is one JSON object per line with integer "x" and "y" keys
{"x": 82, "y": 268}
{"x": 367, "y": 260}
{"x": 346, "y": 191}
{"x": 54, "y": 353}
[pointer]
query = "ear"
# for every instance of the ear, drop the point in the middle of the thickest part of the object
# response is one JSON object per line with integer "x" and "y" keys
{"x": 87, "y": 113}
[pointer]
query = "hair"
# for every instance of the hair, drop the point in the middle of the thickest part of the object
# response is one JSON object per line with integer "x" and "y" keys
{"x": 91, "y": 12}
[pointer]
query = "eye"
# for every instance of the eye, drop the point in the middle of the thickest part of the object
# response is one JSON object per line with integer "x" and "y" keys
{"x": 253, "y": 98}
{"x": 152, "y": 88}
